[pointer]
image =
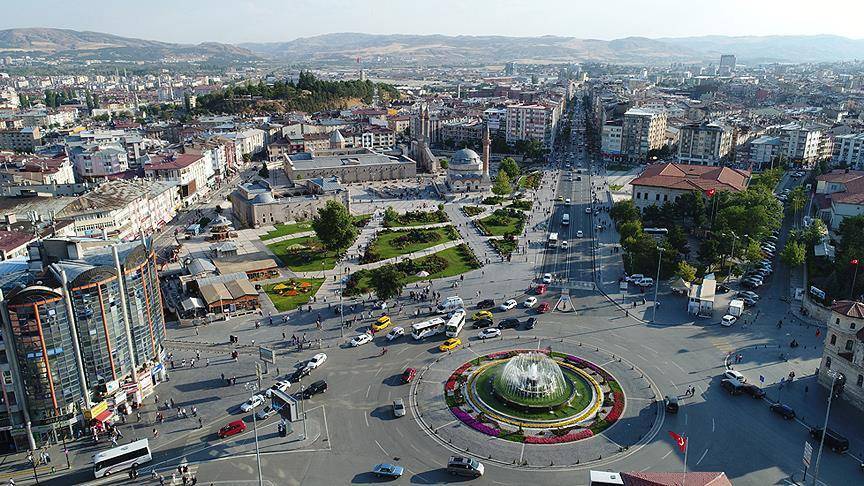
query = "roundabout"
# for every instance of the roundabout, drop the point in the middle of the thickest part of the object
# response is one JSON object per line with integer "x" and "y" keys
{"x": 536, "y": 402}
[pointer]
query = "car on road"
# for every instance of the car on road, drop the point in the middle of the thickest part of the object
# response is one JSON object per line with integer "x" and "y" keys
{"x": 408, "y": 375}
{"x": 282, "y": 386}
{"x": 531, "y": 323}
{"x": 510, "y": 322}
{"x": 734, "y": 387}
{"x": 567, "y": 201}
{"x": 728, "y": 320}
{"x": 464, "y": 466}
{"x": 316, "y": 361}
{"x": 398, "y": 408}
{"x": 481, "y": 315}
{"x": 579, "y": 234}
{"x": 489, "y": 333}
{"x": 360, "y": 340}
{"x": 390, "y": 471}
{"x": 588, "y": 210}
{"x": 450, "y": 344}
{"x": 735, "y": 375}
{"x": 753, "y": 390}
{"x": 508, "y": 304}
{"x": 635, "y": 277}
{"x": 482, "y": 323}
{"x": 265, "y": 412}
{"x": 530, "y": 302}
{"x": 381, "y": 323}
{"x": 233, "y": 428}
{"x": 547, "y": 278}
{"x": 395, "y": 333}
{"x": 644, "y": 282}
{"x": 564, "y": 244}
{"x": 578, "y": 178}
{"x": 254, "y": 402}
{"x": 833, "y": 440}
{"x": 748, "y": 293}
{"x": 299, "y": 374}
{"x": 671, "y": 402}
{"x": 782, "y": 410}
{"x": 541, "y": 289}
{"x": 543, "y": 307}
{"x": 486, "y": 304}
{"x": 319, "y": 386}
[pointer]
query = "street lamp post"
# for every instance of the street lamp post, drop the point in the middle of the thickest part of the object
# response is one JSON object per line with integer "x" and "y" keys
{"x": 731, "y": 255}
{"x": 657, "y": 282}
{"x": 833, "y": 375}
{"x": 250, "y": 386}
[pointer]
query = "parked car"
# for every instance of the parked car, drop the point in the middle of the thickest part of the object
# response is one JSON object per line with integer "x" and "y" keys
{"x": 486, "y": 304}
{"x": 484, "y": 314}
{"x": 391, "y": 471}
{"x": 547, "y": 278}
{"x": 489, "y": 333}
{"x": 541, "y": 289}
{"x": 510, "y": 322}
{"x": 543, "y": 308}
{"x": 233, "y": 428}
{"x": 408, "y": 375}
{"x": 482, "y": 323}
{"x": 450, "y": 344}
{"x": 644, "y": 282}
{"x": 749, "y": 293}
{"x": 360, "y": 340}
{"x": 508, "y": 304}
{"x": 634, "y": 277}
{"x": 395, "y": 333}
{"x": 735, "y": 375}
{"x": 833, "y": 440}
{"x": 319, "y": 386}
{"x": 316, "y": 361}
{"x": 782, "y": 410}
{"x": 279, "y": 385}
{"x": 728, "y": 320}
{"x": 531, "y": 323}
{"x": 530, "y": 302}
{"x": 252, "y": 403}
{"x": 265, "y": 412}
{"x": 749, "y": 301}
{"x": 753, "y": 390}
{"x": 398, "y": 408}
{"x": 734, "y": 387}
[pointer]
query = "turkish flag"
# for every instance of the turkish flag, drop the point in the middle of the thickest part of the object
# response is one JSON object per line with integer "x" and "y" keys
{"x": 680, "y": 440}
{"x": 710, "y": 192}
{"x": 853, "y": 262}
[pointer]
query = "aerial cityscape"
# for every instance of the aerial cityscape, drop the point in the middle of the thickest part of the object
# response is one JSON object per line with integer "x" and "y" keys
{"x": 324, "y": 243}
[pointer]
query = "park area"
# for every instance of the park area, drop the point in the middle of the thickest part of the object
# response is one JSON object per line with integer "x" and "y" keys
{"x": 502, "y": 222}
{"x": 390, "y": 243}
{"x": 393, "y": 219}
{"x": 445, "y": 263}
{"x": 304, "y": 254}
{"x": 292, "y": 293}
{"x": 287, "y": 229}
{"x": 530, "y": 181}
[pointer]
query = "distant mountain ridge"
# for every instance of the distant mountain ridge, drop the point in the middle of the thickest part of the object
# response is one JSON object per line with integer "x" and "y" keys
{"x": 83, "y": 45}
{"x": 344, "y": 48}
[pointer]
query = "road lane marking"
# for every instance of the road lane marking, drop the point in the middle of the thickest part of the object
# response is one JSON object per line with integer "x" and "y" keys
{"x": 366, "y": 418}
{"x": 712, "y": 424}
{"x": 368, "y": 390}
{"x": 666, "y": 455}
{"x": 382, "y": 449}
{"x": 703, "y": 457}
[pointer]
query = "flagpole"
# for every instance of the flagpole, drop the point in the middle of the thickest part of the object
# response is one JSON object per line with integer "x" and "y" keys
{"x": 686, "y": 448}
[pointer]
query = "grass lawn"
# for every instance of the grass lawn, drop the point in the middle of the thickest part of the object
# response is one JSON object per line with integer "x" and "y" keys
{"x": 285, "y": 302}
{"x": 311, "y": 258}
{"x": 493, "y": 200}
{"x": 503, "y": 246}
{"x": 449, "y": 262}
{"x": 580, "y": 400}
{"x": 616, "y": 187}
{"x": 523, "y": 204}
{"x": 502, "y": 222}
{"x": 472, "y": 210}
{"x": 387, "y": 244}
{"x": 287, "y": 229}
{"x": 416, "y": 218}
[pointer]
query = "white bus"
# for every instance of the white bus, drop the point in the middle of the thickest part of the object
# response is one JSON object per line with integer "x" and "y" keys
{"x": 455, "y": 324}
{"x": 553, "y": 240}
{"x": 431, "y": 327}
{"x": 121, "y": 458}
{"x": 565, "y": 220}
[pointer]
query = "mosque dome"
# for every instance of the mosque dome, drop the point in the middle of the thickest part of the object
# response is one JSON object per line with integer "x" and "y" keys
{"x": 466, "y": 156}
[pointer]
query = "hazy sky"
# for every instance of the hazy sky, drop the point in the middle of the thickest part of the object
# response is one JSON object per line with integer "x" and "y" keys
{"x": 193, "y": 21}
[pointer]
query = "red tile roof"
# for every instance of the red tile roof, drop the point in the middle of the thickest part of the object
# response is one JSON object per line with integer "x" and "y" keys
{"x": 841, "y": 176}
{"x": 693, "y": 177}
{"x": 12, "y": 240}
{"x": 675, "y": 479}
{"x": 171, "y": 162}
{"x": 849, "y": 308}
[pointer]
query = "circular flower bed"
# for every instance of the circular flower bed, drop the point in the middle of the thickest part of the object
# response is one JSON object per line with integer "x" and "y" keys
{"x": 596, "y": 405}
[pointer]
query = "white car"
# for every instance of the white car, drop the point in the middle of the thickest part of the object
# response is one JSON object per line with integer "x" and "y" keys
{"x": 530, "y": 302}
{"x": 265, "y": 412}
{"x": 635, "y": 277}
{"x": 282, "y": 386}
{"x": 567, "y": 201}
{"x": 254, "y": 402}
{"x": 579, "y": 234}
{"x": 564, "y": 245}
{"x": 395, "y": 333}
{"x": 316, "y": 361}
{"x": 547, "y": 278}
{"x": 508, "y": 304}
{"x": 489, "y": 333}
{"x": 398, "y": 408}
{"x": 735, "y": 375}
{"x": 728, "y": 320}
{"x": 644, "y": 282}
{"x": 360, "y": 340}
{"x": 588, "y": 210}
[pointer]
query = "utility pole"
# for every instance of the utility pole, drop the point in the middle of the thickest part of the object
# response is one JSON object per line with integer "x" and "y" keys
{"x": 657, "y": 282}
{"x": 249, "y": 386}
{"x": 833, "y": 375}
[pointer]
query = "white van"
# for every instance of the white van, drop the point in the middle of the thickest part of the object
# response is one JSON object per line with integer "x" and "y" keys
{"x": 450, "y": 304}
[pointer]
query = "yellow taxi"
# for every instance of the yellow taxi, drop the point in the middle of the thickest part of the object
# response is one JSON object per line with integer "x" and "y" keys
{"x": 381, "y": 323}
{"x": 484, "y": 314}
{"x": 449, "y": 344}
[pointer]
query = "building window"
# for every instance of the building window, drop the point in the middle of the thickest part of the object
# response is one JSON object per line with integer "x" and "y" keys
{"x": 833, "y": 339}
{"x": 852, "y": 325}
{"x": 828, "y": 363}
{"x": 837, "y": 321}
{"x": 657, "y": 197}
{"x": 860, "y": 380}
{"x": 849, "y": 345}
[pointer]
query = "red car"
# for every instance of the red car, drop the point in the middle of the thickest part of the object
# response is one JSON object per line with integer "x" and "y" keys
{"x": 541, "y": 289}
{"x": 233, "y": 428}
{"x": 408, "y": 375}
{"x": 543, "y": 308}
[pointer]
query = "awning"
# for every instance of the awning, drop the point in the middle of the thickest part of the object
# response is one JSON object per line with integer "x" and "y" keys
{"x": 104, "y": 416}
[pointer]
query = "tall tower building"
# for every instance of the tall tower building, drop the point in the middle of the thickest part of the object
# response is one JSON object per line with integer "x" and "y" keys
{"x": 487, "y": 152}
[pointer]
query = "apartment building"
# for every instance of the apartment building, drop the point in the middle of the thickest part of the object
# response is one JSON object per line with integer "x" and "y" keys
{"x": 764, "y": 152}
{"x": 849, "y": 150}
{"x": 704, "y": 143}
{"x": 643, "y": 130}
{"x": 24, "y": 139}
{"x": 801, "y": 143}
{"x": 191, "y": 173}
{"x": 533, "y": 122}
{"x": 843, "y": 352}
{"x": 610, "y": 140}
{"x": 98, "y": 161}
{"x": 21, "y": 170}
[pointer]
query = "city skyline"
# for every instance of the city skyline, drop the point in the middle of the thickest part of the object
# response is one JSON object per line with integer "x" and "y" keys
{"x": 263, "y": 21}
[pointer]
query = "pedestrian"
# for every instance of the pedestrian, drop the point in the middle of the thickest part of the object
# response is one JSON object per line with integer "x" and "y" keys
{"x": 138, "y": 414}
{"x": 223, "y": 376}
{"x": 207, "y": 362}
{"x": 200, "y": 423}
{"x": 155, "y": 433}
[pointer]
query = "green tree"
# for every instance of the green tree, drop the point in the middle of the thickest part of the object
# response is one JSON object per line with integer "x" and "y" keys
{"x": 510, "y": 167}
{"x": 624, "y": 211}
{"x": 709, "y": 251}
{"x": 247, "y": 158}
{"x": 686, "y": 271}
{"x": 677, "y": 238}
{"x": 264, "y": 172}
{"x": 630, "y": 229}
{"x": 755, "y": 212}
{"x": 444, "y": 163}
{"x": 814, "y": 233}
{"x": 502, "y": 184}
{"x": 334, "y": 226}
{"x": 797, "y": 199}
{"x": 386, "y": 281}
{"x": 793, "y": 254}
{"x": 391, "y": 216}
{"x": 187, "y": 102}
{"x": 753, "y": 252}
